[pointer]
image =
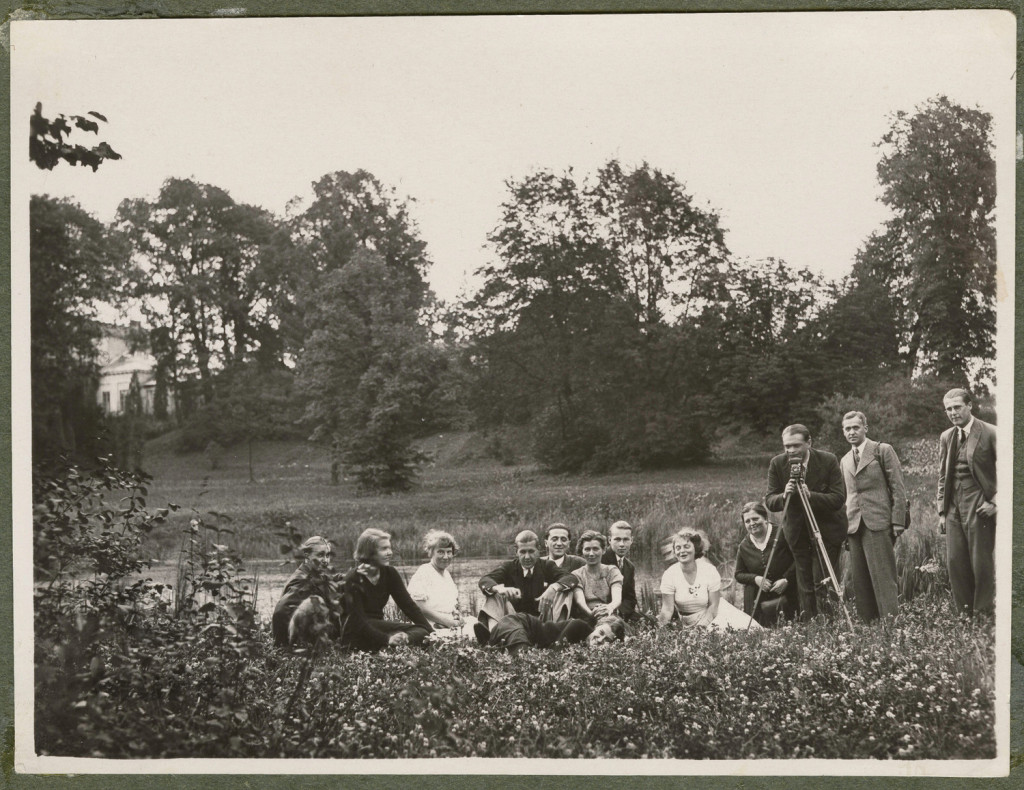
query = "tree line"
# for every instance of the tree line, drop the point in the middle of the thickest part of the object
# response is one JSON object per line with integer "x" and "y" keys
{"x": 611, "y": 320}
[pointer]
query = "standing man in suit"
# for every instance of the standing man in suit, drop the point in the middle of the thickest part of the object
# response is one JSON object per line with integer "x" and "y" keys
{"x": 620, "y": 538}
{"x": 967, "y": 510}
{"x": 526, "y": 583}
{"x": 822, "y": 481}
{"x": 557, "y": 540}
{"x": 876, "y": 508}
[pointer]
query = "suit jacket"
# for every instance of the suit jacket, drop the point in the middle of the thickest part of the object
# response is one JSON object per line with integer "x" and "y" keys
{"x": 545, "y": 573}
{"x": 571, "y": 562}
{"x": 875, "y": 492}
{"x": 827, "y": 497}
{"x": 981, "y": 458}
{"x": 628, "y": 580}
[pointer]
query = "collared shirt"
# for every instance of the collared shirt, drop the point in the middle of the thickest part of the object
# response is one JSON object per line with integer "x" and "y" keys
{"x": 967, "y": 428}
{"x": 760, "y": 544}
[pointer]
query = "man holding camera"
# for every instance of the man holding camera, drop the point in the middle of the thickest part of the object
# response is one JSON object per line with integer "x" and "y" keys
{"x": 817, "y": 473}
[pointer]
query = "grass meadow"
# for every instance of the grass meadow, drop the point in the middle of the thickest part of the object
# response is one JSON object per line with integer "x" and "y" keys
{"x": 155, "y": 680}
{"x": 483, "y": 503}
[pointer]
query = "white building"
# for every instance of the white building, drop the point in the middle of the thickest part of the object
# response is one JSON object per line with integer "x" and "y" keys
{"x": 118, "y": 363}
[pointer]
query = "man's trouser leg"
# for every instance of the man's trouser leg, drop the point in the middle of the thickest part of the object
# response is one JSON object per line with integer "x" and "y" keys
{"x": 958, "y": 558}
{"x": 803, "y": 557}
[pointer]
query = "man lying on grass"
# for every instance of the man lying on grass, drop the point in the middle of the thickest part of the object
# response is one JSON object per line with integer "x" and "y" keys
{"x": 516, "y": 632}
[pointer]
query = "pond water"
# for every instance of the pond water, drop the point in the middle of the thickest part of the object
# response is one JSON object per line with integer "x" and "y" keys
{"x": 270, "y": 577}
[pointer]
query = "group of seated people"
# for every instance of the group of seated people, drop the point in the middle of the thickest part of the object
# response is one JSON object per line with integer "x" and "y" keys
{"x": 530, "y": 600}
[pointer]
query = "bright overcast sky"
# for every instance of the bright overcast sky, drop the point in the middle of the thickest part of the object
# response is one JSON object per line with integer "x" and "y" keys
{"x": 770, "y": 119}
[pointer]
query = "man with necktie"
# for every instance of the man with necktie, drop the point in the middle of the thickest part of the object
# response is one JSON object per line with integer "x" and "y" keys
{"x": 525, "y": 583}
{"x": 818, "y": 473}
{"x": 620, "y": 538}
{"x": 966, "y": 501}
{"x": 876, "y": 508}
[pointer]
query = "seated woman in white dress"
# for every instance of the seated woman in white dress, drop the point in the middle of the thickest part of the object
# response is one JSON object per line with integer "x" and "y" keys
{"x": 692, "y": 589}
{"x": 434, "y": 590}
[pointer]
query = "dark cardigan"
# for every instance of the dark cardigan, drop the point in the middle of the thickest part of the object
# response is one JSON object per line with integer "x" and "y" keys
{"x": 365, "y": 601}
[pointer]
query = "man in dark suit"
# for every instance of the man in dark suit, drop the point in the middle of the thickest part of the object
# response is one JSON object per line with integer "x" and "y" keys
{"x": 557, "y": 540}
{"x": 822, "y": 481}
{"x": 967, "y": 510}
{"x": 876, "y": 508}
{"x": 620, "y": 538}
{"x": 526, "y": 583}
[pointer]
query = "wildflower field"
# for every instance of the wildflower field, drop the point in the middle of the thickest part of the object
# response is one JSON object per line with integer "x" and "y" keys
{"x": 127, "y": 668}
{"x": 921, "y": 688}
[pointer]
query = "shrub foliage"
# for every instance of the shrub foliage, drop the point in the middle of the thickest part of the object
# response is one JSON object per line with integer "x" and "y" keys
{"x": 125, "y": 670}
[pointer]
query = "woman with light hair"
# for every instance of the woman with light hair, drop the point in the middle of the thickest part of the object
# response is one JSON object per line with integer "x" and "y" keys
{"x": 692, "y": 588}
{"x": 434, "y": 590}
{"x": 368, "y": 587}
{"x": 309, "y": 581}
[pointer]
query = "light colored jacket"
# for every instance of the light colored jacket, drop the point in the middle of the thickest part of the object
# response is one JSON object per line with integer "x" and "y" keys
{"x": 875, "y": 491}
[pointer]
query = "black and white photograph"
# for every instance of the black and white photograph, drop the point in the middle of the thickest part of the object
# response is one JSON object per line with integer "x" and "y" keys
{"x": 577, "y": 394}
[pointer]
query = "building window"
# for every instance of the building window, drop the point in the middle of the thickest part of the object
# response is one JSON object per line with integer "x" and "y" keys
{"x": 123, "y": 401}
{"x": 106, "y": 402}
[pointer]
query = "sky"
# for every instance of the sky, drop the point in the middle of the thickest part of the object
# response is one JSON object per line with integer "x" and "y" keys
{"x": 771, "y": 120}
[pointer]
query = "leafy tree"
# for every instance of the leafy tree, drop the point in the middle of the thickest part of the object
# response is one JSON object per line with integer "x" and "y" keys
{"x": 350, "y": 212}
{"x": 368, "y": 371}
{"x": 936, "y": 255}
{"x": 129, "y": 430}
{"x": 584, "y": 324}
{"x": 47, "y": 143}
{"x": 766, "y": 363}
{"x": 254, "y": 402}
{"x": 670, "y": 255}
{"x": 199, "y": 276}
{"x": 73, "y": 268}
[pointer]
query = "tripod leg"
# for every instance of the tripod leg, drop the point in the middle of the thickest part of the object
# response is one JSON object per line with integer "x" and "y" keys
{"x": 823, "y": 553}
{"x": 775, "y": 543}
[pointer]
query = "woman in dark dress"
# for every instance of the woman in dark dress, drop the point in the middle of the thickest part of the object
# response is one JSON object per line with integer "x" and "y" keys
{"x": 367, "y": 589}
{"x": 777, "y": 583}
{"x": 312, "y": 579}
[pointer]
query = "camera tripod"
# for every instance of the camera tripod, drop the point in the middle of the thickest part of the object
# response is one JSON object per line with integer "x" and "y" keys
{"x": 796, "y": 475}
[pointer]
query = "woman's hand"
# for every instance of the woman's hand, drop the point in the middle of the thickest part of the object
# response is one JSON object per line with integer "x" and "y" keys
{"x": 398, "y": 638}
{"x": 668, "y": 607}
{"x": 763, "y": 583}
{"x": 780, "y": 586}
{"x": 601, "y": 610}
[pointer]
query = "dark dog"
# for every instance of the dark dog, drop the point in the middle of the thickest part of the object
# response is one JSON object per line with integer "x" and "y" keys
{"x": 311, "y": 623}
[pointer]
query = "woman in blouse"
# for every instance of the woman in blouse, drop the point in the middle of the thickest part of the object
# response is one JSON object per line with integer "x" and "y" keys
{"x": 599, "y": 593}
{"x": 692, "y": 588}
{"x": 434, "y": 590}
